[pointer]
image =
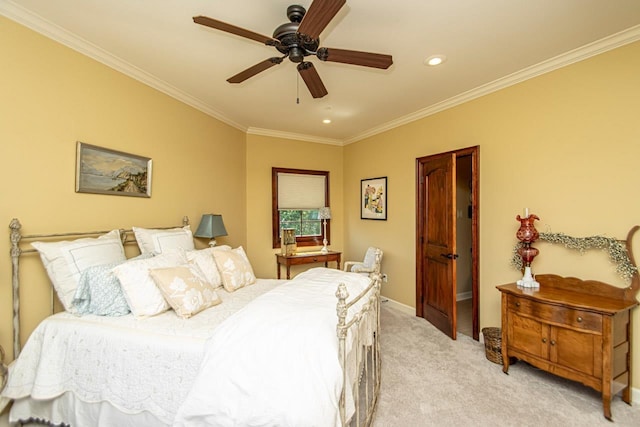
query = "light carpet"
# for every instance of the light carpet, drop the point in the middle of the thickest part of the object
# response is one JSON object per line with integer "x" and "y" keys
{"x": 430, "y": 380}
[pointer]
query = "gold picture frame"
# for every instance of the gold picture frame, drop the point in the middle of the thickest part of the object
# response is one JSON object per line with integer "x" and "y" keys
{"x": 100, "y": 170}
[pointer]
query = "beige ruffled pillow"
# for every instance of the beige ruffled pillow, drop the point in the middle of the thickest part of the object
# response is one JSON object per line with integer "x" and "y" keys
{"x": 234, "y": 268}
{"x": 185, "y": 290}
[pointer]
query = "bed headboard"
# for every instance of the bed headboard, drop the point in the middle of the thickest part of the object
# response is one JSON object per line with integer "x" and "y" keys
{"x": 21, "y": 245}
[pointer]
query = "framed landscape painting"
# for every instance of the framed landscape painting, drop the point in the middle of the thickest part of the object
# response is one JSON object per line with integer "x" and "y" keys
{"x": 103, "y": 171}
{"x": 373, "y": 198}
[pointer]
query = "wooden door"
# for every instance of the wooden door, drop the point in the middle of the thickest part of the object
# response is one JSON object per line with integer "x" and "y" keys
{"x": 436, "y": 281}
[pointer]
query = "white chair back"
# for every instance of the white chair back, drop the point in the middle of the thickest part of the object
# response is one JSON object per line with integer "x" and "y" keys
{"x": 366, "y": 266}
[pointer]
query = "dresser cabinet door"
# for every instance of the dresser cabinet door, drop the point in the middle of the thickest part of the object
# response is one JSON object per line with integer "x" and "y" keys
{"x": 528, "y": 335}
{"x": 576, "y": 350}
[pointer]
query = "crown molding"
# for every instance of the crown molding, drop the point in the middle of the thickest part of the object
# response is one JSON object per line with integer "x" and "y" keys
{"x": 54, "y": 32}
{"x": 291, "y": 135}
{"x": 40, "y": 25}
{"x": 611, "y": 42}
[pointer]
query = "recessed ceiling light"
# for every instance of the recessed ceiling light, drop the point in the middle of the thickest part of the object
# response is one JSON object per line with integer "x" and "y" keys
{"x": 326, "y": 121}
{"x": 434, "y": 60}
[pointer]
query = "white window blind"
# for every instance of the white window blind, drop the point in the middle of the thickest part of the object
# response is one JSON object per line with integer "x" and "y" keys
{"x": 299, "y": 191}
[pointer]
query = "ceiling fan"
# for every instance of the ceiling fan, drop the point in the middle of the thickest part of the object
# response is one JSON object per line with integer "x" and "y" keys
{"x": 298, "y": 39}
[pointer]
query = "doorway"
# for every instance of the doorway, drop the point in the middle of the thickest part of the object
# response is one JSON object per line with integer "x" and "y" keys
{"x": 447, "y": 241}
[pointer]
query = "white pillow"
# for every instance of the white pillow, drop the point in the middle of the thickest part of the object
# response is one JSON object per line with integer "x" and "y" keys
{"x": 184, "y": 290}
{"x": 157, "y": 241}
{"x": 65, "y": 260}
{"x": 235, "y": 268}
{"x": 140, "y": 291}
{"x": 203, "y": 258}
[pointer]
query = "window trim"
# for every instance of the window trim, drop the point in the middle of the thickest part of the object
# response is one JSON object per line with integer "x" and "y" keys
{"x": 275, "y": 214}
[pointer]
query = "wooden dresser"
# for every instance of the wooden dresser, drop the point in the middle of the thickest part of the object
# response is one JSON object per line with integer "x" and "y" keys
{"x": 580, "y": 330}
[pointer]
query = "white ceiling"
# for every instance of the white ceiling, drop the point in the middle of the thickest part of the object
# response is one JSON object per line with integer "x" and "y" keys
{"x": 489, "y": 44}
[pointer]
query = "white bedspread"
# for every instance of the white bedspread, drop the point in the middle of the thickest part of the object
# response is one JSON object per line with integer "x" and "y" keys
{"x": 135, "y": 364}
{"x": 275, "y": 362}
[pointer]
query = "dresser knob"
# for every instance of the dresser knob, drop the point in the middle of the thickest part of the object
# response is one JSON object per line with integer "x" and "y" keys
{"x": 517, "y": 304}
{"x": 553, "y": 342}
{"x": 579, "y": 319}
{"x": 544, "y": 340}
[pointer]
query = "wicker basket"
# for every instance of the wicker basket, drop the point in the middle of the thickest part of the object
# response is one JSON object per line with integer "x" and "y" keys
{"x": 493, "y": 344}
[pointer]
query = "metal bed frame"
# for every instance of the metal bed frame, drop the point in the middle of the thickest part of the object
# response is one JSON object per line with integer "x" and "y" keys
{"x": 367, "y": 348}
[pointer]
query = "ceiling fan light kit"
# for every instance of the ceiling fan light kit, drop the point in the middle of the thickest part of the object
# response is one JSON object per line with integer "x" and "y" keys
{"x": 299, "y": 39}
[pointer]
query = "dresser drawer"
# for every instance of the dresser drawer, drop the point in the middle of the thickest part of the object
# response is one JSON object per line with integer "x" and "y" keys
{"x": 554, "y": 314}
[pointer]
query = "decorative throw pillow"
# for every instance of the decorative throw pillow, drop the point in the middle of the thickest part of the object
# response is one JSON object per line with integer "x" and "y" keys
{"x": 64, "y": 261}
{"x": 158, "y": 241}
{"x": 235, "y": 268}
{"x": 142, "y": 294}
{"x": 185, "y": 292}
{"x": 99, "y": 292}
{"x": 205, "y": 261}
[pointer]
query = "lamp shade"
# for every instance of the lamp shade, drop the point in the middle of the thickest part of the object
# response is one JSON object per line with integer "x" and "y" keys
{"x": 211, "y": 226}
{"x": 324, "y": 213}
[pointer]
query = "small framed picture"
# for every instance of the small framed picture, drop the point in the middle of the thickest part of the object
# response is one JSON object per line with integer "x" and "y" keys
{"x": 103, "y": 171}
{"x": 373, "y": 198}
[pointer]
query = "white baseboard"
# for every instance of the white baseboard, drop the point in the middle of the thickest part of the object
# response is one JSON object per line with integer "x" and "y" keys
{"x": 412, "y": 311}
{"x": 635, "y": 395}
{"x": 398, "y": 305}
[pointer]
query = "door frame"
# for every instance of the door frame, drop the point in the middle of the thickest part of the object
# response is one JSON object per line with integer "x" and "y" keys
{"x": 474, "y": 152}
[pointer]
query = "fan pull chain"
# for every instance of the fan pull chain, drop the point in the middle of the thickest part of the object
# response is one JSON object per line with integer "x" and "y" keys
{"x": 297, "y": 88}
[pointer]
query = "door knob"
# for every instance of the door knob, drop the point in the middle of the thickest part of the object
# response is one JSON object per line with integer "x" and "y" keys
{"x": 449, "y": 256}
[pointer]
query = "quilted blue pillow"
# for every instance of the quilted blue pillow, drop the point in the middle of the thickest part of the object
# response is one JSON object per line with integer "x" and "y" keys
{"x": 99, "y": 292}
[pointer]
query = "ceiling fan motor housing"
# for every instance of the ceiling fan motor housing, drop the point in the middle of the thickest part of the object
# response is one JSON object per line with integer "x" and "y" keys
{"x": 295, "y": 46}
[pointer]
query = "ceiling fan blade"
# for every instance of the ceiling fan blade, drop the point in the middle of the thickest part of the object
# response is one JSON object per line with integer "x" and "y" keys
{"x": 232, "y": 29}
{"x": 354, "y": 57}
{"x": 312, "y": 79}
{"x": 320, "y": 13}
{"x": 252, "y": 71}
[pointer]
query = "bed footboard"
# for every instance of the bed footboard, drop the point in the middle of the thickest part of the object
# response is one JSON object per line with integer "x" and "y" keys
{"x": 364, "y": 356}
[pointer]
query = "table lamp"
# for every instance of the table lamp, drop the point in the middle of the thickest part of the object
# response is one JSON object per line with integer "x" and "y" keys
{"x": 211, "y": 226}
{"x": 324, "y": 214}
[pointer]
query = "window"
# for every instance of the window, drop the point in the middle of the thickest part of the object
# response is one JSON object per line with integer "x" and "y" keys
{"x": 297, "y": 196}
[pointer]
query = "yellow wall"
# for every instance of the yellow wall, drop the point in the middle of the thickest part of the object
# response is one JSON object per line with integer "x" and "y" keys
{"x": 565, "y": 144}
{"x": 53, "y": 97}
{"x": 263, "y": 153}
